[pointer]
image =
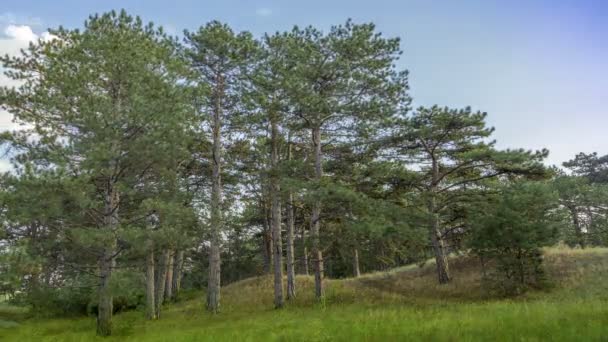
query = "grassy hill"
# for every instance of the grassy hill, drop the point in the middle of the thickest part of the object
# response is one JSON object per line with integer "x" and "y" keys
{"x": 403, "y": 304}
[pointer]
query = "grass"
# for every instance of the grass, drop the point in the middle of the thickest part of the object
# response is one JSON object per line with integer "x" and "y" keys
{"x": 403, "y": 304}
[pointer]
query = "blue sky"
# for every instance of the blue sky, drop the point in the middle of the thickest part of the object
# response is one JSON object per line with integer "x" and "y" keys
{"x": 538, "y": 67}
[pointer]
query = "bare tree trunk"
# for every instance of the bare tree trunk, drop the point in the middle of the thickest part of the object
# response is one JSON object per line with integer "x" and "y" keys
{"x": 104, "y": 310}
{"x": 169, "y": 280}
{"x": 304, "y": 256}
{"x": 177, "y": 274}
{"x": 106, "y": 263}
{"x": 291, "y": 275}
{"x": 161, "y": 281}
{"x": 592, "y": 236}
{"x": 356, "y": 270}
{"x": 267, "y": 237}
{"x": 275, "y": 194}
{"x": 443, "y": 272}
{"x": 577, "y": 226}
{"x": 214, "y": 281}
{"x": 150, "y": 294}
{"x": 315, "y": 221}
{"x": 305, "y": 261}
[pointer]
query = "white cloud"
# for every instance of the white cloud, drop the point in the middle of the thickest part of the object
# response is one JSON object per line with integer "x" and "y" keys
{"x": 17, "y": 37}
{"x": 6, "y": 121}
{"x": 46, "y": 36}
{"x": 13, "y": 38}
{"x": 15, "y": 34}
{"x": 5, "y": 165}
{"x": 24, "y": 33}
{"x": 263, "y": 12}
{"x": 20, "y": 33}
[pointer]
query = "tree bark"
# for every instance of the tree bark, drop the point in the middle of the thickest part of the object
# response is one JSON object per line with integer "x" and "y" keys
{"x": 275, "y": 194}
{"x": 267, "y": 242}
{"x": 305, "y": 261}
{"x": 356, "y": 270}
{"x": 443, "y": 272}
{"x": 577, "y": 226}
{"x": 291, "y": 276}
{"x": 592, "y": 236}
{"x": 304, "y": 250}
{"x": 177, "y": 274}
{"x": 315, "y": 221}
{"x": 150, "y": 294}
{"x": 104, "y": 309}
{"x": 161, "y": 281}
{"x": 106, "y": 262}
{"x": 169, "y": 280}
{"x": 214, "y": 280}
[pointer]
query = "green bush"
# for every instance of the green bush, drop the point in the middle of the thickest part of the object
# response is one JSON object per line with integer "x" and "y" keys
{"x": 77, "y": 296}
{"x": 508, "y": 232}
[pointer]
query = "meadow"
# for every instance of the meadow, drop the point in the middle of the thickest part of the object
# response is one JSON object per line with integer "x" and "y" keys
{"x": 401, "y": 304}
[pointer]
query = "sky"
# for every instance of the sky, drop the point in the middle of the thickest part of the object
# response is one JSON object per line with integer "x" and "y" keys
{"x": 539, "y": 68}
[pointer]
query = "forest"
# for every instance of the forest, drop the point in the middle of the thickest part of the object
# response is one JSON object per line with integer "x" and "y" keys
{"x": 153, "y": 175}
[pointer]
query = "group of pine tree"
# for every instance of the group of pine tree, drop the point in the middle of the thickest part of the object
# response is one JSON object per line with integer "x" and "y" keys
{"x": 145, "y": 164}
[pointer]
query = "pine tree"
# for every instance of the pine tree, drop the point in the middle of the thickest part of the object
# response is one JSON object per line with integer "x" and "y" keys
{"x": 338, "y": 82}
{"x": 220, "y": 58}
{"x": 450, "y": 151}
{"x": 107, "y": 107}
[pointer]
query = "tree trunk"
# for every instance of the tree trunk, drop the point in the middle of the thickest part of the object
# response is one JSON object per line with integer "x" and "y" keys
{"x": 577, "y": 226}
{"x": 592, "y": 236}
{"x": 315, "y": 221}
{"x": 161, "y": 281}
{"x": 150, "y": 303}
{"x": 275, "y": 194}
{"x": 177, "y": 274}
{"x": 305, "y": 261}
{"x": 104, "y": 309}
{"x": 356, "y": 270}
{"x": 304, "y": 250}
{"x": 267, "y": 237}
{"x": 106, "y": 262}
{"x": 169, "y": 280}
{"x": 214, "y": 280}
{"x": 443, "y": 272}
{"x": 291, "y": 276}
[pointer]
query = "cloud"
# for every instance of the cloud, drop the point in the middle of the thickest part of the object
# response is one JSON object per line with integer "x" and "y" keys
{"x": 263, "y": 12}
{"x": 15, "y": 34}
{"x": 5, "y": 165}
{"x": 24, "y": 33}
{"x": 6, "y": 121}
{"x": 15, "y": 37}
{"x": 20, "y": 33}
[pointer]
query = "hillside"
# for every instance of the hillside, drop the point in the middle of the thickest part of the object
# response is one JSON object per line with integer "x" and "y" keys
{"x": 403, "y": 304}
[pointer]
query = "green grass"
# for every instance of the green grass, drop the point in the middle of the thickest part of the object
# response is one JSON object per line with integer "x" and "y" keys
{"x": 404, "y": 304}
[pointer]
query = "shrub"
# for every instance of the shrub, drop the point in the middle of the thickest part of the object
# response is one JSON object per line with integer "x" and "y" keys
{"x": 508, "y": 232}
